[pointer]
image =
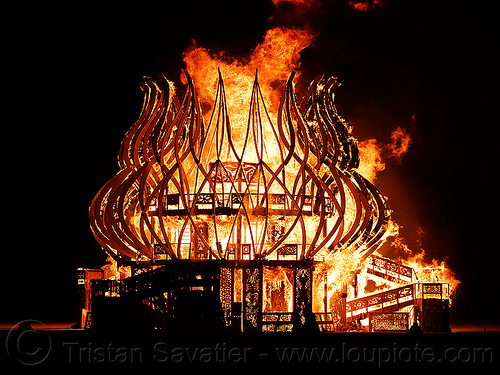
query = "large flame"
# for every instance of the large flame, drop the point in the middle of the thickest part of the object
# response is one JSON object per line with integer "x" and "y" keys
{"x": 274, "y": 59}
{"x": 373, "y": 157}
{"x": 253, "y": 138}
{"x": 243, "y": 168}
{"x": 435, "y": 271}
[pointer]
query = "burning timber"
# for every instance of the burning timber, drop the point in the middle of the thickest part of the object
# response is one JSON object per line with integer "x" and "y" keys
{"x": 261, "y": 223}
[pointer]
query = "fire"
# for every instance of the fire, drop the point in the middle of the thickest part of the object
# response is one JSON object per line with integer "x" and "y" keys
{"x": 434, "y": 271}
{"x": 337, "y": 271}
{"x": 400, "y": 143}
{"x": 301, "y": 4}
{"x": 372, "y": 153}
{"x": 278, "y": 295}
{"x": 274, "y": 59}
{"x": 367, "y": 5}
{"x": 373, "y": 157}
{"x": 293, "y": 10}
{"x": 242, "y": 169}
{"x": 370, "y": 158}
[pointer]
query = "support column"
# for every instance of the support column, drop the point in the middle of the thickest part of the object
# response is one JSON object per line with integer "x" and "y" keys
{"x": 252, "y": 297}
{"x": 302, "y": 296}
{"x": 226, "y": 293}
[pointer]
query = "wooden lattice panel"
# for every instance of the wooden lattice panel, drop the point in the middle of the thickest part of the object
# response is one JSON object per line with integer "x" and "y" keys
{"x": 226, "y": 293}
{"x": 389, "y": 321}
{"x": 188, "y": 188}
{"x": 252, "y": 298}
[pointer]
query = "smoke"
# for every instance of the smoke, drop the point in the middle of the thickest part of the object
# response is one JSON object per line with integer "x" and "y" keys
{"x": 299, "y": 7}
{"x": 295, "y": 13}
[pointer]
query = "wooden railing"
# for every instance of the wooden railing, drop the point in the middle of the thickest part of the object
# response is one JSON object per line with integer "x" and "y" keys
{"x": 389, "y": 300}
{"x": 389, "y": 270}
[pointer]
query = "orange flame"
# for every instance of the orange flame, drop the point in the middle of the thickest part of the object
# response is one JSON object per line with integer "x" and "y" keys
{"x": 370, "y": 158}
{"x": 435, "y": 271}
{"x": 372, "y": 153}
{"x": 400, "y": 143}
{"x": 365, "y": 6}
{"x": 373, "y": 156}
{"x": 274, "y": 58}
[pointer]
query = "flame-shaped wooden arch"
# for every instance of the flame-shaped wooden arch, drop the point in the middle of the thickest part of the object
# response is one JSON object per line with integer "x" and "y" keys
{"x": 171, "y": 162}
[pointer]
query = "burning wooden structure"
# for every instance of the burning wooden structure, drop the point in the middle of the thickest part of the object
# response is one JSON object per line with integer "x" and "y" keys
{"x": 257, "y": 224}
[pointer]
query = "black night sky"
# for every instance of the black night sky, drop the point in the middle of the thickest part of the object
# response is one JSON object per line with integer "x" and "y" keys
{"x": 72, "y": 87}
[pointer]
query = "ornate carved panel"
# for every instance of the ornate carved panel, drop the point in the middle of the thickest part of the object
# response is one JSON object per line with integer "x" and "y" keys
{"x": 199, "y": 249}
{"x": 252, "y": 297}
{"x": 226, "y": 293}
{"x": 434, "y": 288}
{"x": 391, "y": 321}
{"x": 302, "y": 293}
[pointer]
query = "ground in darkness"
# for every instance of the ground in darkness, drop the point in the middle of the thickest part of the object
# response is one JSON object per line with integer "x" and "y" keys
{"x": 40, "y": 346}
